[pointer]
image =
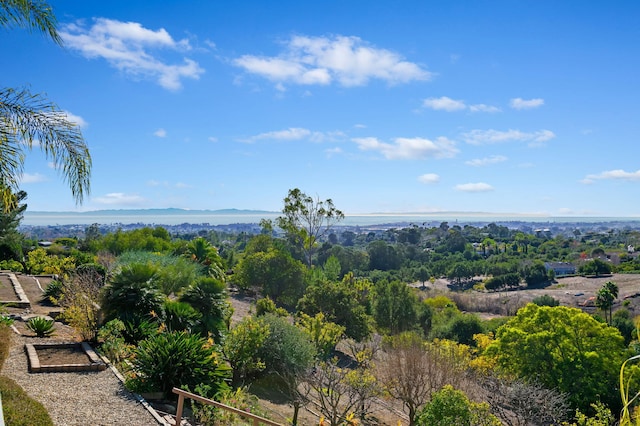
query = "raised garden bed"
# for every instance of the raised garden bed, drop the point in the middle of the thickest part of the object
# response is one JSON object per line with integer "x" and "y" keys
{"x": 11, "y": 292}
{"x": 63, "y": 357}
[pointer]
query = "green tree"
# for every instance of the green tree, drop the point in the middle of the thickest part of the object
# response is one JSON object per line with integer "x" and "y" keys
{"x": 422, "y": 275}
{"x": 332, "y": 268}
{"x": 10, "y": 238}
{"x": 241, "y": 348}
{"x": 28, "y": 119}
{"x": 287, "y": 348}
{"x": 341, "y": 303}
{"x": 451, "y": 407}
{"x": 275, "y": 272}
{"x": 308, "y": 219}
{"x": 394, "y": 306}
{"x": 324, "y": 334}
{"x": 595, "y": 267}
{"x": 563, "y": 348}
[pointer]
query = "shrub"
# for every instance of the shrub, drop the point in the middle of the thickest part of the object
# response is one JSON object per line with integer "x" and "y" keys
{"x": 53, "y": 292}
{"x": 268, "y": 306}
{"x": 241, "y": 347}
{"x": 450, "y": 406}
{"x": 178, "y": 359}
{"x": 239, "y": 398}
{"x": 132, "y": 292}
{"x": 19, "y": 409}
{"x": 113, "y": 344}
{"x": 287, "y": 349}
{"x": 180, "y": 316}
{"x": 41, "y": 326}
{"x": 11, "y": 265}
{"x": 546, "y": 300}
{"x": 207, "y": 296}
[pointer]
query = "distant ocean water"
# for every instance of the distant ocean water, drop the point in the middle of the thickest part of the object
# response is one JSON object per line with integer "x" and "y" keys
{"x": 177, "y": 217}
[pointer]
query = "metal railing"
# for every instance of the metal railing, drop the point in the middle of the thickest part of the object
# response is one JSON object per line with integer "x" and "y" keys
{"x": 184, "y": 394}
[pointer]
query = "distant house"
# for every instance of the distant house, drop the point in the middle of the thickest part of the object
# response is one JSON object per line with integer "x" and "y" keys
{"x": 560, "y": 268}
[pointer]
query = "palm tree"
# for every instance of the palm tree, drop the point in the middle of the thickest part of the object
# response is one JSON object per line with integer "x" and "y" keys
{"x": 203, "y": 252}
{"x": 28, "y": 119}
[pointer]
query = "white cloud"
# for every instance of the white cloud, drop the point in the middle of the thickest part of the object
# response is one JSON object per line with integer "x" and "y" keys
{"x": 519, "y": 103}
{"x": 76, "y": 119}
{"x": 161, "y": 133}
{"x": 290, "y": 134}
{"x": 484, "y": 108}
{"x": 360, "y": 126}
{"x": 444, "y": 103}
{"x": 409, "y": 148}
{"x": 127, "y": 47}
{"x": 333, "y": 151}
{"x": 212, "y": 139}
{"x": 429, "y": 178}
{"x": 349, "y": 61}
{"x": 478, "y": 162}
{"x": 474, "y": 187}
{"x": 296, "y": 133}
{"x": 484, "y": 137}
{"x": 33, "y": 178}
{"x": 119, "y": 198}
{"x": 613, "y": 175}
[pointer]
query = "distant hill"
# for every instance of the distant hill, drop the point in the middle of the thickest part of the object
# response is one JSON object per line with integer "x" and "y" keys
{"x": 154, "y": 212}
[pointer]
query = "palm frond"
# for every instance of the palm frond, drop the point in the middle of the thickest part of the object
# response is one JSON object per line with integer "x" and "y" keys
{"x": 31, "y": 14}
{"x": 27, "y": 120}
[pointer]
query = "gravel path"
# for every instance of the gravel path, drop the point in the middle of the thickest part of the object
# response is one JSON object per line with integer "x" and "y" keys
{"x": 92, "y": 398}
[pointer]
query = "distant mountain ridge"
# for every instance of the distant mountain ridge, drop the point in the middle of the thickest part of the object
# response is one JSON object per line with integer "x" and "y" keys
{"x": 157, "y": 212}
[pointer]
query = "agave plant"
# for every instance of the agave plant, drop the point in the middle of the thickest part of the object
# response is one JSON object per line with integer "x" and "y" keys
{"x": 41, "y": 326}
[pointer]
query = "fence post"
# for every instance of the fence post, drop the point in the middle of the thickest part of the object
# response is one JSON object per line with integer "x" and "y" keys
{"x": 179, "y": 409}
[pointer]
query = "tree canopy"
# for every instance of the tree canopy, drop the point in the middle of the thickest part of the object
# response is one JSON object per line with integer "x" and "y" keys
{"x": 563, "y": 348}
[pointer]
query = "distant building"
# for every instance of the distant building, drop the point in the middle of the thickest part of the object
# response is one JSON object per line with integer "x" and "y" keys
{"x": 560, "y": 268}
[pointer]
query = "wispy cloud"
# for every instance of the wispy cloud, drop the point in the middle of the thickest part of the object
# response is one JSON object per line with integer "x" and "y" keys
{"x": 333, "y": 151}
{"x": 295, "y": 134}
{"x": 212, "y": 139}
{"x": 429, "y": 178}
{"x": 128, "y": 47}
{"x": 120, "y": 198}
{"x": 445, "y": 103}
{"x": 33, "y": 178}
{"x": 474, "y": 187}
{"x": 76, "y": 119}
{"x": 349, "y": 61}
{"x": 479, "y": 162}
{"x": 161, "y": 133}
{"x": 409, "y": 148}
{"x": 519, "y": 103}
{"x": 613, "y": 175}
{"x": 484, "y": 108}
{"x": 486, "y": 137}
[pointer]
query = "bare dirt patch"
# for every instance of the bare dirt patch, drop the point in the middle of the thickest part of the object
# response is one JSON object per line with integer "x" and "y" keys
{"x": 7, "y": 293}
{"x": 71, "y": 354}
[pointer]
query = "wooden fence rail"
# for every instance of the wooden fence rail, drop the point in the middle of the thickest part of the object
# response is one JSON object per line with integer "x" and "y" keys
{"x": 184, "y": 394}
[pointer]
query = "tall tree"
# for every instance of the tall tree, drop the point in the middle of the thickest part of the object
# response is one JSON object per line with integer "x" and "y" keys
{"x": 307, "y": 219}
{"x": 10, "y": 238}
{"x": 28, "y": 119}
{"x": 605, "y": 297}
{"x": 564, "y": 349}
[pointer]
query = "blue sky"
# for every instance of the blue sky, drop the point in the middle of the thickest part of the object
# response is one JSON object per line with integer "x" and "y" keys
{"x": 519, "y": 107}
